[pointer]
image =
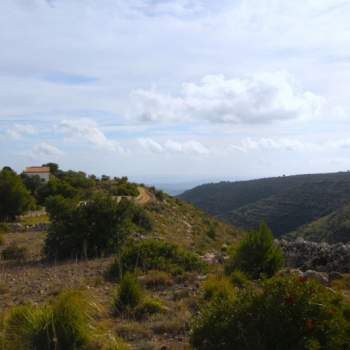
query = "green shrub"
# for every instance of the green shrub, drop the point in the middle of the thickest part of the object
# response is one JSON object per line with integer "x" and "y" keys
{"x": 239, "y": 279}
{"x": 14, "y": 252}
{"x": 256, "y": 255}
{"x": 286, "y": 313}
{"x": 63, "y": 324}
{"x": 149, "y": 306}
{"x": 129, "y": 294}
{"x": 153, "y": 254}
{"x": 217, "y": 288}
{"x": 95, "y": 227}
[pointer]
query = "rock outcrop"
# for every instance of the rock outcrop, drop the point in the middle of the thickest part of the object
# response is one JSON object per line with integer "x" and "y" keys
{"x": 322, "y": 257}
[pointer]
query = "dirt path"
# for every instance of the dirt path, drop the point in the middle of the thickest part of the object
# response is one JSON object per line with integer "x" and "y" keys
{"x": 144, "y": 196}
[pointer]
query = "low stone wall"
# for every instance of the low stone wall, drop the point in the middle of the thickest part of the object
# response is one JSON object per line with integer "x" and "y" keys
{"x": 322, "y": 257}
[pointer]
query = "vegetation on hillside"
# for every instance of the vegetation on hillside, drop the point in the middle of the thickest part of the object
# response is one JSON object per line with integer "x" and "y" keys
{"x": 152, "y": 254}
{"x": 331, "y": 228}
{"x": 283, "y": 313}
{"x": 92, "y": 228}
{"x": 15, "y": 199}
{"x": 284, "y": 203}
{"x": 256, "y": 255}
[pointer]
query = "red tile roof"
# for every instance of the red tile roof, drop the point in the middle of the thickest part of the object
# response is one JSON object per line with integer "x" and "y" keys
{"x": 37, "y": 169}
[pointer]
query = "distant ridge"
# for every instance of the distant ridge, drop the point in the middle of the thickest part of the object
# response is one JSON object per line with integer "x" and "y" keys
{"x": 284, "y": 203}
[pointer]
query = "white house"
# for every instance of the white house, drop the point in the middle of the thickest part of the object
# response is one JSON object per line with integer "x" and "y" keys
{"x": 42, "y": 171}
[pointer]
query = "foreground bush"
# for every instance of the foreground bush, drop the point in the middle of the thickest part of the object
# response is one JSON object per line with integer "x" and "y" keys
{"x": 256, "y": 255}
{"x": 64, "y": 324}
{"x": 92, "y": 228}
{"x": 129, "y": 294}
{"x": 288, "y": 313}
{"x": 153, "y": 254}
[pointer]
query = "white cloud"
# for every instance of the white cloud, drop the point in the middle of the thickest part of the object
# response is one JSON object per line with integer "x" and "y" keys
{"x": 17, "y": 131}
{"x": 285, "y": 144}
{"x": 45, "y": 150}
{"x": 88, "y": 130}
{"x": 262, "y": 98}
{"x": 151, "y": 145}
{"x": 186, "y": 147}
{"x": 289, "y": 144}
{"x": 170, "y": 146}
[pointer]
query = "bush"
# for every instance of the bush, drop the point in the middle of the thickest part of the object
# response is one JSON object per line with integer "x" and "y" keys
{"x": 14, "y": 252}
{"x": 239, "y": 279}
{"x": 288, "y": 313}
{"x": 149, "y": 307}
{"x": 129, "y": 294}
{"x": 217, "y": 288}
{"x": 2, "y": 239}
{"x": 63, "y": 324}
{"x": 153, "y": 254}
{"x": 256, "y": 255}
{"x": 92, "y": 228}
{"x": 15, "y": 198}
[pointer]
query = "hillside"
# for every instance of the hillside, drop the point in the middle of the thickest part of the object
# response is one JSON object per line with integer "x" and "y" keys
{"x": 284, "y": 203}
{"x": 331, "y": 228}
{"x": 32, "y": 279}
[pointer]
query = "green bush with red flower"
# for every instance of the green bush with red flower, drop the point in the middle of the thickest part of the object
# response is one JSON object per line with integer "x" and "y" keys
{"x": 282, "y": 313}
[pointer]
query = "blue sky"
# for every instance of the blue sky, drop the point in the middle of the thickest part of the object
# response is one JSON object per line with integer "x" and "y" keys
{"x": 176, "y": 90}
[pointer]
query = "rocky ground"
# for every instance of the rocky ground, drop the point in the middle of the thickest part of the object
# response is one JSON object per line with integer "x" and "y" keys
{"x": 321, "y": 257}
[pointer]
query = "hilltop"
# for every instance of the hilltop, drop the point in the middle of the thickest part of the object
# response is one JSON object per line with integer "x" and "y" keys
{"x": 284, "y": 203}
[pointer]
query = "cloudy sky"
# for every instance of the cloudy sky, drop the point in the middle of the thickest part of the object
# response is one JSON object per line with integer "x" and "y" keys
{"x": 176, "y": 90}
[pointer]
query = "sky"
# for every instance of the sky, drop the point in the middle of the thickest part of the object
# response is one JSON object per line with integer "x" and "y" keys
{"x": 180, "y": 90}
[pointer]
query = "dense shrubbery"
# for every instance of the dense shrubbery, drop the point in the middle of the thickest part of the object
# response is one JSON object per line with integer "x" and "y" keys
{"x": 15, "y": 198}
{"x": 131, "y": 300}
{"x": 129, "y": 294}
{"x": 91, "y": 228}
{"x": 153, "y": 254}
{"x": 63, "y": 324}
{"x": 288, "y": 313}
{"x": 256, "y": 255}
{"x": 217, "y": 288}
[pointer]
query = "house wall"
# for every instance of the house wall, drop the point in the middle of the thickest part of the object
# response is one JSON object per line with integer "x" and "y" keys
{"x": 43, "y": 176}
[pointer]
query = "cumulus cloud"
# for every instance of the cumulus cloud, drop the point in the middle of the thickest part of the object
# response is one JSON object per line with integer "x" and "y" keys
{"x": 261, "y": 98}
{"x": 89, "y": 131}
{"x": 170, "y": 146}
{"x": 17, "y": 131}
{"x": 46, "y": 150}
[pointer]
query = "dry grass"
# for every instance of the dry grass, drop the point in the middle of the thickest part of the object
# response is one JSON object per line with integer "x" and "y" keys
{"x": 36, "y": 281}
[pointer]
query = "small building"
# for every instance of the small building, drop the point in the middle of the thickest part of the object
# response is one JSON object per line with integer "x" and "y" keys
{"x": 42, "y": 171}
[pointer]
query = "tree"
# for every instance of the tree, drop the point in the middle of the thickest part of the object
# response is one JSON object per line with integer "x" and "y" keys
{"x": 256, "y": 255}
{"x": 95, "y": 227}
{"x": 54, "y": 168}
{"x": 15, "y": 198}
{"x": 284, "y": 313}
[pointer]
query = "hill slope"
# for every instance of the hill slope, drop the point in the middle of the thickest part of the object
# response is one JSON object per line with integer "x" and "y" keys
{"x": 284, "y": 203}
{"x": 331, "y": 228}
